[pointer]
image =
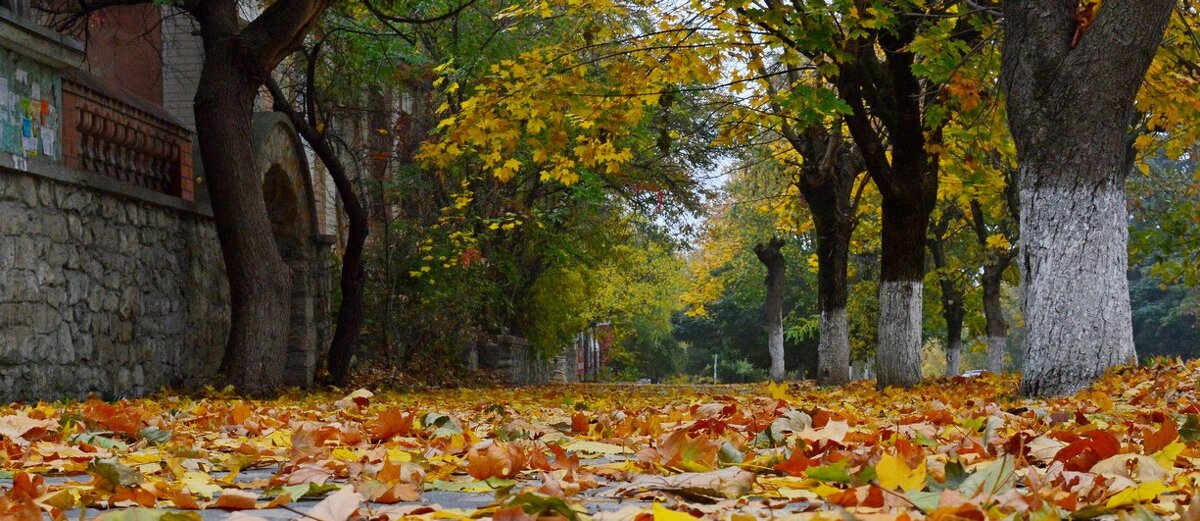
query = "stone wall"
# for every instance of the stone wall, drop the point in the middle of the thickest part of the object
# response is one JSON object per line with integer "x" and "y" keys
{"x": 104, "y": 287}
{"x": 519, "y": 364}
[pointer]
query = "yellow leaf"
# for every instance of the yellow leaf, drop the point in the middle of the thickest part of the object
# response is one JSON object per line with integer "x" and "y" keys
{"x": 397, "y": 455}
{"x": 998, "y": 242}
{"x": 1166, "y": 456}
{"x": 200, "y": 484}
{"x": 1139, "y": 494}
{"x": 280, "y": 438}
{"x": 344, "y": 454}
{"x": 893, "y": 473}
{"x": 778, "y": 391}
{"x": 662, "y": 513}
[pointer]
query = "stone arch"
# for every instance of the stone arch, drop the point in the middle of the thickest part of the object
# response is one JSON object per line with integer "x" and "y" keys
{"x": 287, "y": 187}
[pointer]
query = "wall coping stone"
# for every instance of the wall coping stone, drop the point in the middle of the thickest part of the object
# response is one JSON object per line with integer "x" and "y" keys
{"x": 40, "y": 43}
{"x": 10, "y": 164}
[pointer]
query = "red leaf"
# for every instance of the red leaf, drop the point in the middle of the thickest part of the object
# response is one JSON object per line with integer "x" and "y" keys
{"x": 795, "y": 464}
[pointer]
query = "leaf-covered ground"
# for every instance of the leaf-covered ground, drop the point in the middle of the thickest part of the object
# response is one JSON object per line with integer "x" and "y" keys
{"x": 955, "y": 449}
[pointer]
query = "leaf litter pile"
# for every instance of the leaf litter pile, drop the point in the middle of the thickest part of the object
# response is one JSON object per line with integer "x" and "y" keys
{"x": 961, "y": 448}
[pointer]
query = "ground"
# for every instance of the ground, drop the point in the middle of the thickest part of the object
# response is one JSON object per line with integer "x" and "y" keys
{"x": 962, "y": 448}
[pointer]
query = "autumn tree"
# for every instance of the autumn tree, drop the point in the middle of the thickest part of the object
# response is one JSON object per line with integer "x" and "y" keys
{"x": 886, "y": 63}
{"x": 1071, "y": 76}
{"x": 726, "y": 292}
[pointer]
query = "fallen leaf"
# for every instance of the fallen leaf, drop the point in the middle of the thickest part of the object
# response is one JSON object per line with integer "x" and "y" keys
{"x": 339, "y": 506}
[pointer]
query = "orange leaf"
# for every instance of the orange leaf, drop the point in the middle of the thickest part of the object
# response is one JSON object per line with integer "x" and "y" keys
{"x": 489, "y": 459}
{"x": 31, "y": 485}
{"x": 234, "y": 499}
{"x": 795, "y": 464}
{"x": 579, "y": 423}
{"x": 183, "y": 499}
{"x": 240, "y": 413}
{"x": 391, "y": 423}
{"x": 1081, "y": 454}
{"x": 126, "y": 419}
{"x": 1162, "y": 437}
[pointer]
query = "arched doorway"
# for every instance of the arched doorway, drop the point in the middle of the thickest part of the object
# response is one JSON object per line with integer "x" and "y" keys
{"x": 287, "y": 191}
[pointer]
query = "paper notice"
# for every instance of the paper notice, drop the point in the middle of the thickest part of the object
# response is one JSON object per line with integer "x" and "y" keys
{"x": 36, "y": 92}
{"x": 22, "y": 76}
{"x": 48, "y": 141}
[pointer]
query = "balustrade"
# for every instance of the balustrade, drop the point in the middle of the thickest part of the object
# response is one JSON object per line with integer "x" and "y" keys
{"x": 122, "y": 137}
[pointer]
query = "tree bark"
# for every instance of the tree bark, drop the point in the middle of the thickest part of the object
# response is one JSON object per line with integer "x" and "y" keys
{"x": 901, "y": 291}
{"x": 1070, "y": 107}
{"x": 259, "y": 281}
{"x": 997, "y": 326}
{"x": 771, "y": 255}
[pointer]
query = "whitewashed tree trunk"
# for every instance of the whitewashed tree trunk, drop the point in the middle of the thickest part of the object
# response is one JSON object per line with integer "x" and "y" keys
{"x": 898, "y": 358}
{"x": 1070, "y": 107}
{"x": 954, "y": 357}
{"x": 997, "y": 347}
{"x": 833, "y": 350}
{"x": 1074, "y": 259}
{"x": 775, "y": 347}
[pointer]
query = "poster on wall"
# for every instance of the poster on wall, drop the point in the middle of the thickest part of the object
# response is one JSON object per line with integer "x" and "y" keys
{"x": 30, "y": 97}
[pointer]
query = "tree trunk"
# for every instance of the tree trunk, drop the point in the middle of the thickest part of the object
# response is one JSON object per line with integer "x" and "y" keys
{"x": 997, "y": 326}
{"x": 771, "y": 256}
{"x": 828, "y": 172}
{"x": 906, "y": 175}
{"x": 1070, "y": 107}
{"x": 353, "y": 308}
{"x": 826, "y": 188}
{"x": 238, "y": 59}
{"x": 259, "y": 281}
{"x": 901, "y": 288}
{"x": 995, "y": 263}
{"x": 954, "y": 352}
{"x": 953, "y": 309}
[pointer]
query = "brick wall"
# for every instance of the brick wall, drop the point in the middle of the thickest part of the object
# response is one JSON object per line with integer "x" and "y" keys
{"x": 123, "y": 49}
